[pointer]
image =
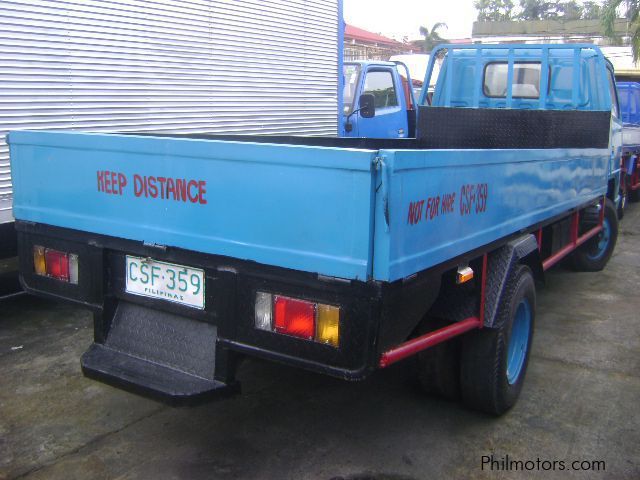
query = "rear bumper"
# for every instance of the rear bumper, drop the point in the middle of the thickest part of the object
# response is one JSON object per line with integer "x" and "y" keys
{"x": 231, "y": 286}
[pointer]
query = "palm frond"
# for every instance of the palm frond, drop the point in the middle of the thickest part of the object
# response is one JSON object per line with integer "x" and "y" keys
{"x": 437, "y": 26}
{"x": 609, "y": 15}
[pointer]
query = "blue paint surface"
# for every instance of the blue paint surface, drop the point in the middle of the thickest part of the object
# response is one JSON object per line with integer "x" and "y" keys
{"x": 575, "y": 76}
{"x": 334, "y": 211}
{"x": 292, "y": 206}
{"x": 629, "y": 97}
{"x": 523, "y": 187}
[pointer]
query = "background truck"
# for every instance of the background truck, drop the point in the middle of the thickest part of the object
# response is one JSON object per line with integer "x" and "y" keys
{"x": 180, "y": 66}
{"x": 391, "y": 86}
{"x": 629, "y": 93}
{"x": 338, "y": 255}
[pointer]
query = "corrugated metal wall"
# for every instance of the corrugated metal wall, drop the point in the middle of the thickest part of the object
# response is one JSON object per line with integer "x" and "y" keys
{"x": 245, "y": 66}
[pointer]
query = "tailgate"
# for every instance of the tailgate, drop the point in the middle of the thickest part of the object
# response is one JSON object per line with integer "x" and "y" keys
{"x": 299, "y": 207}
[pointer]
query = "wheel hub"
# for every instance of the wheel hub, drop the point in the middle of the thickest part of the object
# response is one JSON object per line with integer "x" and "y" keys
{"x": 601, "y": 243}
{"x": 518, "y": 341}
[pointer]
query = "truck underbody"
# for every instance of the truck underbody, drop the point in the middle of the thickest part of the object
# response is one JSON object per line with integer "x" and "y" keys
{"x": 181, "y": 355}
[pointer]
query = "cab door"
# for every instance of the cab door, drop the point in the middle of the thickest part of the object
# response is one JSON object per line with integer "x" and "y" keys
{"x": 390, "y": 120}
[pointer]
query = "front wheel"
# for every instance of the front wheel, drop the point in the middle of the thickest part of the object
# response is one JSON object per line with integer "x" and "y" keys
{"x": 594, "y": 254}
{"x": 494, "y": 360}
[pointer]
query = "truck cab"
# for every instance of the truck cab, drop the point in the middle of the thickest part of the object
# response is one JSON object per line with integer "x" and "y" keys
{"x": 498, "y": 77}
{"x": 394, "y": 102}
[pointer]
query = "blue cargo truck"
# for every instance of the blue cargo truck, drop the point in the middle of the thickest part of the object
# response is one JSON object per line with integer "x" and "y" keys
{"x": 337, "y": 255}
{"x": 629, "y": 93}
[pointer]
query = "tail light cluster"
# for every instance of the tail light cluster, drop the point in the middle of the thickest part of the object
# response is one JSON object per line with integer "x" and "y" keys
{"x": 55, "y": 264}
{"x": 298, "y": 318}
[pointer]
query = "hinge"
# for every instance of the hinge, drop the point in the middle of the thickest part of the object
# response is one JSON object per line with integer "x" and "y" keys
{"x": 154, "y": 245}
{"x": 381, "y": 188}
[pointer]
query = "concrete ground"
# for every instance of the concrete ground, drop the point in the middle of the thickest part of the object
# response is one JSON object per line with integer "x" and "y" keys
{"x": 580, "y": 402}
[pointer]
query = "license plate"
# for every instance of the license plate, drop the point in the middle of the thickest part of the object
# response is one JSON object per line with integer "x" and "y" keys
{"x": 167, "y": 281}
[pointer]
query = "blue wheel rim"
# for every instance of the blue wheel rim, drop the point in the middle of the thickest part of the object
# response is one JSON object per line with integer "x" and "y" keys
{"x": 519, "y": 341}
{"x": 601, "y": 242}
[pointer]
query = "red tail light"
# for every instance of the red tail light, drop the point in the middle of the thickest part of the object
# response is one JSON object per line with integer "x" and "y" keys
{"x": 57, "y": 264}
{"x": 295, "y": 317}
{"x": 298, "y": 318}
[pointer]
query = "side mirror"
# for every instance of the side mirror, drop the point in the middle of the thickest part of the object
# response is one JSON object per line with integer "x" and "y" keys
{"x": 367, "y": 104}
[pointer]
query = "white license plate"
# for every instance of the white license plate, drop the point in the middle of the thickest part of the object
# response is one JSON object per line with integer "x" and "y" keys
{"x": 167, "y": 281}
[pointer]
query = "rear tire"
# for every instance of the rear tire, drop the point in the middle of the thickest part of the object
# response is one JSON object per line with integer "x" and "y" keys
{"x": 438, "y": 367}
{"x": 494, "y": 360}
{"x": 594, "y": 254}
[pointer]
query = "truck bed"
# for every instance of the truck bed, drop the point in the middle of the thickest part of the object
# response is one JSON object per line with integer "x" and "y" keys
{"x": 360, "y": 209}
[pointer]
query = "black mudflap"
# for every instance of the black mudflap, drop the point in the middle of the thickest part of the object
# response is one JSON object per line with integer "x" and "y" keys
{"x": 159, "y": 355}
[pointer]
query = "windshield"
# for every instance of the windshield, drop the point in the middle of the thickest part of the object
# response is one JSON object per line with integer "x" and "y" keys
{"x": 351, "y": 73}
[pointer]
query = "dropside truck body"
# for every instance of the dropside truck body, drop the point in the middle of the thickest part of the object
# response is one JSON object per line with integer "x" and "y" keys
{"x": 338, "y": 255}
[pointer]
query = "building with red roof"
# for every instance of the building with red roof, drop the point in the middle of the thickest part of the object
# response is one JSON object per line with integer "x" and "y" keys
{"x": 360, "y": 44}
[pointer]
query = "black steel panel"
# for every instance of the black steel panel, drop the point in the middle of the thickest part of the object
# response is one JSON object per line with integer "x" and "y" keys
{"x": 230, "y": 289}
{"x": 346, "y": 142}
{"x": 485, "y": 128}
{"x": 151, "y": 379}
{"x": 163, "y": 338}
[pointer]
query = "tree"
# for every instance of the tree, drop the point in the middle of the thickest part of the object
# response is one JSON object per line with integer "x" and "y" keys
{"x": 431, "y": 37}
{"x": 538, "y": 10}
{"x": 570, "y": 10}
{"x": 631, "y": 10}
{"x": 504, "y": 10}
{"x": 591, "y": 11}
{"x": 494, "y": 10}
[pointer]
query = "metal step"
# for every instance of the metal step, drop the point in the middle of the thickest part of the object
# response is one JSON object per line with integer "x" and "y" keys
{"x": 157, "y": 354}
{"x": 151, "y": 379}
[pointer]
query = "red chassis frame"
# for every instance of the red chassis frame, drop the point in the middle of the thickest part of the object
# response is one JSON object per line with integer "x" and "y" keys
{"x": 430, "y": 339}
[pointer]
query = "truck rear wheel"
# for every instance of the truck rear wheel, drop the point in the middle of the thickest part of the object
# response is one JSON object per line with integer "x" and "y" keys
{"x": 438, "y": 367}
{"x": 594, "y": 254}
{"x": 494, "y": 360}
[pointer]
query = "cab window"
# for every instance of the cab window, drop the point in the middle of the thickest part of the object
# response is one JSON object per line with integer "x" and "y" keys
{"x": 526, "y": 80}
{"x": 379, "y": 83}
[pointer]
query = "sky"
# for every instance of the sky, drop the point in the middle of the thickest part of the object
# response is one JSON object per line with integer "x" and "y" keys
{"x": 399, "y": 18}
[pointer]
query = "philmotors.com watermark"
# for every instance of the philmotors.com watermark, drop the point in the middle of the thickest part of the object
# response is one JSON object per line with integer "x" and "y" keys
{"x": 509, "y": 464}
